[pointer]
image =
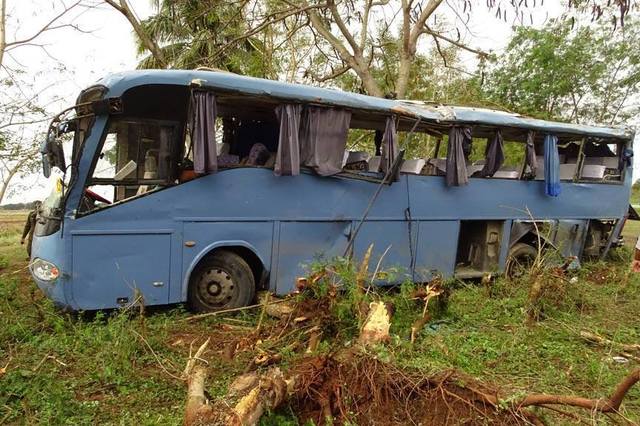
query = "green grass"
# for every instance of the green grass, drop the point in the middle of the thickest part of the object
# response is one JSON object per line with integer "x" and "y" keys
{"x": 122, "y": 368}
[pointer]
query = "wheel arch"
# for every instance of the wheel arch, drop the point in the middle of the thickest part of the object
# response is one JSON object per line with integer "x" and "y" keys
{"x": 243, "y": 249}
{"x": 527, "y": 232}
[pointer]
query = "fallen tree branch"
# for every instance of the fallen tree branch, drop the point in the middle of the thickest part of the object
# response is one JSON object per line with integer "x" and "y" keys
{"x": 603, "y": 341}
{"x": 602, "y": 405}
{"x": 227, "y": 311}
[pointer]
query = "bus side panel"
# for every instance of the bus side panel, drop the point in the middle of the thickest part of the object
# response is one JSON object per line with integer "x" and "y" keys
{"x": 111, "y": 270}
{"x": 391, "y": 248}
{"x": 302, "y": 243}
{"x": 200, "y": 238}
{"x": 500, "y": 199}
{"x": 436, "y": 250}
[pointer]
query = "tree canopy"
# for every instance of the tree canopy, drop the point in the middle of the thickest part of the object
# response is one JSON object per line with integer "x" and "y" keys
{"x": 588, "y": 74}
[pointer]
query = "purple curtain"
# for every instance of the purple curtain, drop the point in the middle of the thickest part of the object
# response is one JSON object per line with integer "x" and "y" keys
{"x": 494, "y": 155}
{"x": 389, "y": 145}
{"x": 288, "y": 155}
{"x": 323, "y": 138}
{"x": 202, "y": 128}
{"x": 456, "y": 174}
{"x": 530, "y": 154}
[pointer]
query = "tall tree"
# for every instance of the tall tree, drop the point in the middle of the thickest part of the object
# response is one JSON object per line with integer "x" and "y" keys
{"x": 21, "y": 109}
{"x": 52, "y": 24}
{"x": 18, "y": 156}
{"x": 585, "y": 74}
{"x": 345, "y": 33}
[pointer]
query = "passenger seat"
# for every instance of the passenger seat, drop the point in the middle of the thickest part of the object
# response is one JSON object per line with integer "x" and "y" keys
{"x": 413, "y": 166}
{"x": 374, "y": 163}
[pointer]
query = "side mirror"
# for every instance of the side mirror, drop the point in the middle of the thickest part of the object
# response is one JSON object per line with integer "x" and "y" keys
{"x": 46, "y": 164}
{"x": 52, "y": 155}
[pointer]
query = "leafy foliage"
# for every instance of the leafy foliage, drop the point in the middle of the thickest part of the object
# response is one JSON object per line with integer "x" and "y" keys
{"x": 588, "y": 74}
{"x": 191, "y": 33}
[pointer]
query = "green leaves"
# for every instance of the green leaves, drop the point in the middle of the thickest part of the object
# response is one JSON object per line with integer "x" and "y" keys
{"x": 585, "y": 75}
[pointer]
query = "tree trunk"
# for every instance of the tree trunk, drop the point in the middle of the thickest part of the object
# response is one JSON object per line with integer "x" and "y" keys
{"x": 12, "y": 172}
{"x": 149, "y": 43}
{"x": 3, "y": 39}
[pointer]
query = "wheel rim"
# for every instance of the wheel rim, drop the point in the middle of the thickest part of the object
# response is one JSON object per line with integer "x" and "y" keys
{"x": 215, "y": 288}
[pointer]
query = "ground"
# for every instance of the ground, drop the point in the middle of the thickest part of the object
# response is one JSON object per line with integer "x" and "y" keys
{"x": 124, "y": 368}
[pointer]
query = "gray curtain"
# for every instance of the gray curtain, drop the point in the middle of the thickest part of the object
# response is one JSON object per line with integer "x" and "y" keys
{"x": 389, "y": 145}
{"x": 288, "y": 155}
{"x": 494, "y": 155}
{"x": 456, "y": 174}
{"x": 202, "y": 128}
{"x": 530, "y": 153}
{"x": 323, "y": 138}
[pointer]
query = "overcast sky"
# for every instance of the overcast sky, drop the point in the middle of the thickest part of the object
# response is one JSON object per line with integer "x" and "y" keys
{"x": 107, "y": 46}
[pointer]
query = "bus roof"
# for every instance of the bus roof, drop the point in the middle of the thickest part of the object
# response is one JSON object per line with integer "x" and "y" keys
{"x": 119, "y": 83}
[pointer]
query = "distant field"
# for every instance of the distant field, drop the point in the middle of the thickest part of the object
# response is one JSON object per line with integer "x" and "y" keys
{"x": 631, "y": 232}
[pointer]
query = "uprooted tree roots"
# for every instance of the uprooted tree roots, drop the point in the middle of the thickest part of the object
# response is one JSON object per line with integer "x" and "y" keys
{"x": 350, "y": 383}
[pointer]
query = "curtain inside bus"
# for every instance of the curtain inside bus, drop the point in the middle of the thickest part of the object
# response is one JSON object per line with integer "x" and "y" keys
{"x": 456, "y": 173}
{"x": 288, "y": 155}
{"x": 530, "y": 153}
{"x": 389, "y": 145}
{"x": 551, "y": 166}
{"x": 323, "y": 138}
{"x": 202, "y": 128}
{"x": 494, "y": 155}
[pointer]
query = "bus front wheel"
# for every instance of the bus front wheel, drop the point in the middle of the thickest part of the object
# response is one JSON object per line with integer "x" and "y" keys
{"x": 223, "y": 280}
{"x": 520, "y": 259}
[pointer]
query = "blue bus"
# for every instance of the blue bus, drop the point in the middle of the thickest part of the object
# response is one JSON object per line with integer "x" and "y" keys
{"x": 203, "y": 187}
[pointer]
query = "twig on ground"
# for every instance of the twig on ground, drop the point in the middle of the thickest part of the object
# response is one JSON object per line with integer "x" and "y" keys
{"x": 155, "y": 356}
{"x": 226, "y": 311}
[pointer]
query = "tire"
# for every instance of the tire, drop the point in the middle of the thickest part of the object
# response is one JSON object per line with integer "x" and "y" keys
{"x": 222, "y": 280}
{"x": 519, "y": 260}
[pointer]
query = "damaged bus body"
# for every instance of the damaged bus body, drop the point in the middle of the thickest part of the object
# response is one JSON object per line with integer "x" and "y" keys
{"x": 203, "y": 187}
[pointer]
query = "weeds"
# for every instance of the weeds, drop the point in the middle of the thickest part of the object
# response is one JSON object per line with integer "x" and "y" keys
{"x": 81, "y": 369}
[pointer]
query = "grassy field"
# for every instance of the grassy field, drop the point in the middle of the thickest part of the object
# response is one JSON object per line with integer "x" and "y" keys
{"x": 124, "y": 368}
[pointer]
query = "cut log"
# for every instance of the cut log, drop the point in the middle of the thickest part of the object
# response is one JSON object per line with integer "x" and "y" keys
{"x": 197, "y": 409}
{"x": 260, "y": 393}
{"x": 376, "y": 326}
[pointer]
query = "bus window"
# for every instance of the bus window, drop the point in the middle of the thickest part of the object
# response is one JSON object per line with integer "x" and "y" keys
{"x": 511, "y": 168}
{"x": 136, "y": 157}
{"x": 360, "y": 154}
{"x": 600, "y": 162}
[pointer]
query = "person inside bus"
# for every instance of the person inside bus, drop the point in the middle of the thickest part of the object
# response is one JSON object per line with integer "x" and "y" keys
{"x": 258, "y": 155}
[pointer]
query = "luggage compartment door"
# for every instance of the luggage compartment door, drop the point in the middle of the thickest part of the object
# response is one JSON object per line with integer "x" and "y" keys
{"x": 302, "y": 243}
{"x": 111, "y": 270}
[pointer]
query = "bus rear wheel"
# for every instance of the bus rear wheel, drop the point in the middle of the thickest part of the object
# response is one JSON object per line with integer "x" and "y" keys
{"x": 222, "y": 280}
{"x": 520, "y": 259}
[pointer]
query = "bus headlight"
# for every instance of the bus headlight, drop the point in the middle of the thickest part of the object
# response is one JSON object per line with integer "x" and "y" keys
{"x": 43, "y": 270}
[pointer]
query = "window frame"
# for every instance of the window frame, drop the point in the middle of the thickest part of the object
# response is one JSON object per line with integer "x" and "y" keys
{"x": 176, "y": 125}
